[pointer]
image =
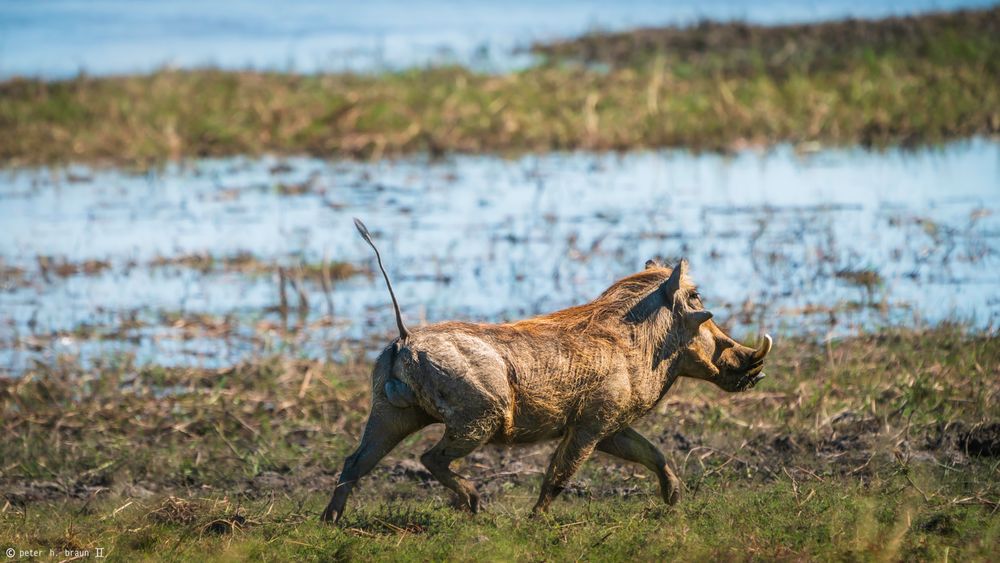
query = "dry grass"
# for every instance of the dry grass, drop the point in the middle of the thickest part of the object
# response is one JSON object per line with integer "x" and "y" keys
{"x": 248, "y": 264}
{"x": 879, "y": 446}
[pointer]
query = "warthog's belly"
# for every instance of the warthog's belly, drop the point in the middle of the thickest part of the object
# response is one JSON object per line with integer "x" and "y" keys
{"x": 526, "y": 435}
{"x": 532, "y": 421}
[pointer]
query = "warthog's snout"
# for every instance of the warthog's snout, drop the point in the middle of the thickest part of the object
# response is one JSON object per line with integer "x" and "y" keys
{"x": 746, "y": 366}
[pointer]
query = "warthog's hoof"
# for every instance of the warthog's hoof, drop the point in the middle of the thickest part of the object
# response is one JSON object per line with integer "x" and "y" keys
{"x": 538, "y": 515}
{"x": 672, "y": 495}
{"x": 670, "y": 489}
{"x": 469, "y": 504}
{"x": 330, "y": 516}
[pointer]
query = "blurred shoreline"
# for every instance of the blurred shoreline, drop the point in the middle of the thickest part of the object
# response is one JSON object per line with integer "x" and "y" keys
{"x": 908, "y": 81}
{"x": 59, "y": 39}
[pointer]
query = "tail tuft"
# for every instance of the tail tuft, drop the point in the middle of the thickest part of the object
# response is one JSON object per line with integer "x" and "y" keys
{"x": 364, "y": 231}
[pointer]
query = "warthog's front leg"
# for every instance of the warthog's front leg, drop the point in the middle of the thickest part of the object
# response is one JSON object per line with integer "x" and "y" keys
{"x": 575, "y": 447}
{"x": 632, "y": 446}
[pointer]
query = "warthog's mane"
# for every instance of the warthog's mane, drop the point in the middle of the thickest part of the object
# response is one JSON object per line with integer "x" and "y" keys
{"x": 622, "y": 317}
{"x": 626, "y": 302}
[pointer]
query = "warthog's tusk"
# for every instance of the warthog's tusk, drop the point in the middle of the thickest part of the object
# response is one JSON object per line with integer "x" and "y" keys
{"x": 764, "y": 348}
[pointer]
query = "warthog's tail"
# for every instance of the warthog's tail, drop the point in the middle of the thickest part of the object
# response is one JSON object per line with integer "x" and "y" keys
{"x": 403, "y": 333}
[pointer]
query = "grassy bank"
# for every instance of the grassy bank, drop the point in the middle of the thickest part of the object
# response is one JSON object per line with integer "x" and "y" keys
{"x": 883, "y": 446}
{"x": 716, "y": 87}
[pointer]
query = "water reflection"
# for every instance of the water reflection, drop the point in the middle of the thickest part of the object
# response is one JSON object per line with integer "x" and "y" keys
{"x": 827, "y": 243}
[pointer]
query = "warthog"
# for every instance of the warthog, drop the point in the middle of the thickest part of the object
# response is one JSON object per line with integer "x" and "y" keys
{"x": 582, "y": 375}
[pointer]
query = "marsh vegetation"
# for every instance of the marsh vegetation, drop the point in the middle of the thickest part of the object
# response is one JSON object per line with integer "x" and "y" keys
{"x": 913, "y": 81}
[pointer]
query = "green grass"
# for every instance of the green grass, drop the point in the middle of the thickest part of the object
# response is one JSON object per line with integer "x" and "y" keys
{"x": 881, "y": 83}
{"x": 867, "y": 448}
{"x": 816, "y": 520}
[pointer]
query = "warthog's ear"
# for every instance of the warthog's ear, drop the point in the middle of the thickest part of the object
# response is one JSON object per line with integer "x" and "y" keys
{"x": 652, "y": 264}
{"x": 673, "y": 283}
{"x": 696, "y": 319}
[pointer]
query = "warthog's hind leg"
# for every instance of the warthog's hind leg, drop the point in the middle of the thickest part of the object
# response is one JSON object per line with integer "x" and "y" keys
{"x": 575, "y": 447}
{"x": 386, "y": 427}
{"x": 438, "y": 459}
{"x": 632, "y": 446}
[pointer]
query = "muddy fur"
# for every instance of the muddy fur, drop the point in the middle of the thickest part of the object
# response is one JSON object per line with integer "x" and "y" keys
{"x": 582, "y": 374}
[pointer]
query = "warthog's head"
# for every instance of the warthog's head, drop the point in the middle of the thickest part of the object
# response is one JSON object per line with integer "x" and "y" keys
{"x": 706, "y": 352}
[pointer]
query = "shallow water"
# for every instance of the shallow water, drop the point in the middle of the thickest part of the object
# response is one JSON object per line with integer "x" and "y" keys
{"x": 827, "y": 243}
{"x": 59, "y": 38}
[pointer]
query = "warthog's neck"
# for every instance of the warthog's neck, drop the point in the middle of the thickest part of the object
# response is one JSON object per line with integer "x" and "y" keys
{"x": 654, "y": 357}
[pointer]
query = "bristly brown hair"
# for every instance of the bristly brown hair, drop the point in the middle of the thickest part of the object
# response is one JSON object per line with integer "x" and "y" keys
{"x": 614, "y": 304}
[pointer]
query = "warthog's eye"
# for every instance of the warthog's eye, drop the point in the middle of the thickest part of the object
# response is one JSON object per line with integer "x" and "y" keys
{"x": 694, "y": 296}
